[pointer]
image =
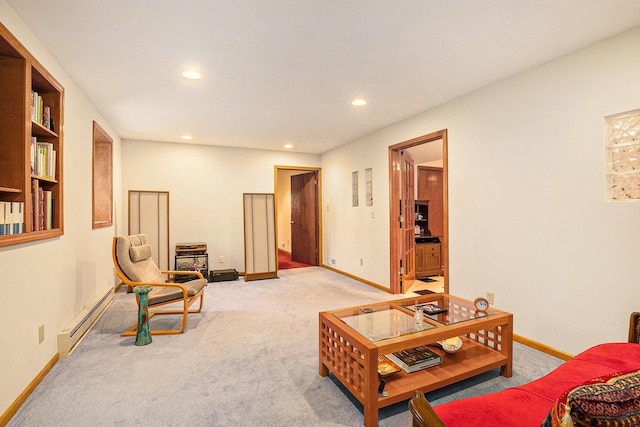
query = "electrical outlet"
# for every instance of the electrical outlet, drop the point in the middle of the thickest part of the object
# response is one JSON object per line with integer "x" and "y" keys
{"x": 490, "y": 297}
{"x": 221, "y": 258}
{"x": 361, "y": 262}
{"x": 40, "y": 334}
{"x": 332, "y": 261}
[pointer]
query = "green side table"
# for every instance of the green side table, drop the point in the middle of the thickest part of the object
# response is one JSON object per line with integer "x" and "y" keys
{"x": 143, "y": 336}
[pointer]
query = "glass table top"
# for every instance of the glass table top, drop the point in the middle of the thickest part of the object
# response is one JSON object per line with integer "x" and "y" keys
{"x": 384, "y": 322}
{"x": 449, "y": 311}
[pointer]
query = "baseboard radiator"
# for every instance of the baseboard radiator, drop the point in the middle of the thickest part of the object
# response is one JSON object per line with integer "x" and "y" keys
{"x": 71, "y": 335}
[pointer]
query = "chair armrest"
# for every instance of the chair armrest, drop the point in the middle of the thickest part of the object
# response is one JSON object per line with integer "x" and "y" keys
{"x": 155, "y": 284}
{"x": 174, "y": 272}
{"x": 423, "y": 413}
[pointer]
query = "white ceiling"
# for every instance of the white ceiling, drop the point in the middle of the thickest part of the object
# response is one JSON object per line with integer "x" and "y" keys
{"x": 285, "y": 71}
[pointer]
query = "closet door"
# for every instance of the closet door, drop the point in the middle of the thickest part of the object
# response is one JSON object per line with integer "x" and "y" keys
{"x": 260, "y": 247}
{"x": 149, "y": 214}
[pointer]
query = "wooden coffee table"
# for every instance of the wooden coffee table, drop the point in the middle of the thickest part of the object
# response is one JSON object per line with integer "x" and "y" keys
{"x": 352, "y": 340}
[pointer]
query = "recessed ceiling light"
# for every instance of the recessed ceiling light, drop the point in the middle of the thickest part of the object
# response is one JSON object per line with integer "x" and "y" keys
{"x": 288, "y": 146}
{"x": 359, "y": 102}
{"x": 186, "y": 137}
{"x": 191, "y": 74}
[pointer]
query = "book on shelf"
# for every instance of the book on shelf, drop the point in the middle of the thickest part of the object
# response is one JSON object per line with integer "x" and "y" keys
{"x": 7, "y": 221}
{"x": 42, "y": 207}
{"x": 43, "y": 159}
{"x": 35, "y": 210}
{"x": 34, "y": 102}
{"x": 3, "y": 220}
{"x": 415, "y": 359}
{"x": 11, "y": 218}
{"x": 41, "y": 113}
{"x": 19, "y": 217}
{"x": 34, "y": 141}
{"x": 16, "y": 217}
{"x": 46, "y": 115}
{"x": 36, "y": 107}
{"x": 48, "y": 203}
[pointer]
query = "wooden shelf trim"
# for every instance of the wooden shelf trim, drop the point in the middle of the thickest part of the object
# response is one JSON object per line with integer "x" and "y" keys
{"x": 38, "y": 129}
{"x": 44, "y": 179}
{"x": 10, "y": 190}
{"x": 32, "y": 236}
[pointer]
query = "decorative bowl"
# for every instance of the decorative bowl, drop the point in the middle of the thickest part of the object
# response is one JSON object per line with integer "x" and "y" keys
{"x": 451, "y": 345}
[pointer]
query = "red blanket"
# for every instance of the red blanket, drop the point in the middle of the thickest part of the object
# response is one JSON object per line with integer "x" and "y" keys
{"x": 528, "y": 404}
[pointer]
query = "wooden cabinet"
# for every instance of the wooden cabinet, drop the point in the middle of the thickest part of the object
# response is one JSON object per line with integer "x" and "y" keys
{"x": 430, "y": 190}
{"x": 428, "y": 260}
{"x": 31, "y": 123}
{"x": 421, "y": 220}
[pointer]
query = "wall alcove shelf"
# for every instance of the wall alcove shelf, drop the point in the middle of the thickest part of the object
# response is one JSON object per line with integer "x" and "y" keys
{"x": 31, "y": 123}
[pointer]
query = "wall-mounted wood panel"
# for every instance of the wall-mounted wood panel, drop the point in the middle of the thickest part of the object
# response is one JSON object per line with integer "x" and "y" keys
{"x": 260, "y": 247}
{"x": 102, "y": 199}
{"x": 149, "y": 214}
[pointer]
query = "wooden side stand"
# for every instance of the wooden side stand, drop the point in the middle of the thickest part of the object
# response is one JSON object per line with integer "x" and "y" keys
{"x": 353, "y": 358}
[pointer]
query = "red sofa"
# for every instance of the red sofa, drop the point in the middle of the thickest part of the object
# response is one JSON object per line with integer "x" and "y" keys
{"x": 529, "y": 404}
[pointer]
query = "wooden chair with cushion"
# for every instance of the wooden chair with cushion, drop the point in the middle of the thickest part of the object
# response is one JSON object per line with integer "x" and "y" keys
{"x": 634, "y": 328}
{"x": 135, "y": 267}
{"x": 422, "y": 412}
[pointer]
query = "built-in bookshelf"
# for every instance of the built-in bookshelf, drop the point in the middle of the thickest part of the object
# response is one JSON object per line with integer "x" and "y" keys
{"x": 31, "y": 144}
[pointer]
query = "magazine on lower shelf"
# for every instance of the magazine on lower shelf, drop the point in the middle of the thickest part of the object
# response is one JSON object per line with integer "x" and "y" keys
{"x": 415, "y": 359}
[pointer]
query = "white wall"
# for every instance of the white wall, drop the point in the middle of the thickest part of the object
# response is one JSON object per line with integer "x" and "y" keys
{"x": 528, "y": 216}
{"x": 205, "y": 187}
{"x": 49, "y": 282}
{"x": 528, "y": 219}
{"x": 362, "y": 232}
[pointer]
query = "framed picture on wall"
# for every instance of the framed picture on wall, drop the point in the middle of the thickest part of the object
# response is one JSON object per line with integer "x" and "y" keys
{"x": 354, "y": 189}
{"x": 102, "y": 194}
{"x": 368, "y": 182}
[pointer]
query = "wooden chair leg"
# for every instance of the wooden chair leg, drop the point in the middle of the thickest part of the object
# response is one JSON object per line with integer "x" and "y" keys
{"x": 185, "y": 318}
{"x": 634, "y": 328}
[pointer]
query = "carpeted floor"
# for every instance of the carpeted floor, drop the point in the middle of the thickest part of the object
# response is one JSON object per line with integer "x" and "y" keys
{"x": 285, "y": 262}
{"x": 250, "y": 359}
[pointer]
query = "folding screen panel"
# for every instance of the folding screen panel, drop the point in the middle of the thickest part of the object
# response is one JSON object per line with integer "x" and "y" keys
{"x": 260, "y": 247}
{"x": 149, "y": 214}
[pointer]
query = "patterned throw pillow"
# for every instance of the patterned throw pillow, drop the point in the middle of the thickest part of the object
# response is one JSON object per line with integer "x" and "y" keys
{"x": 612, "y": 401}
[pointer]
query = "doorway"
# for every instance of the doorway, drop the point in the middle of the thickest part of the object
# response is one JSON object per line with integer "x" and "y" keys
{"x": 426, "y": 148}
{"x": 298, "y": 216}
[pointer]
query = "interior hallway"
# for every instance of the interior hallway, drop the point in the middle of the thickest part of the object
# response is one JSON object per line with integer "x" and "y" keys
{"x": 436, "y": 285}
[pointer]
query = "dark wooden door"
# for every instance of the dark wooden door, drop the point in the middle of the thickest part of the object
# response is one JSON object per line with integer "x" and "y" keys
{"x": 304, "y": 222}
